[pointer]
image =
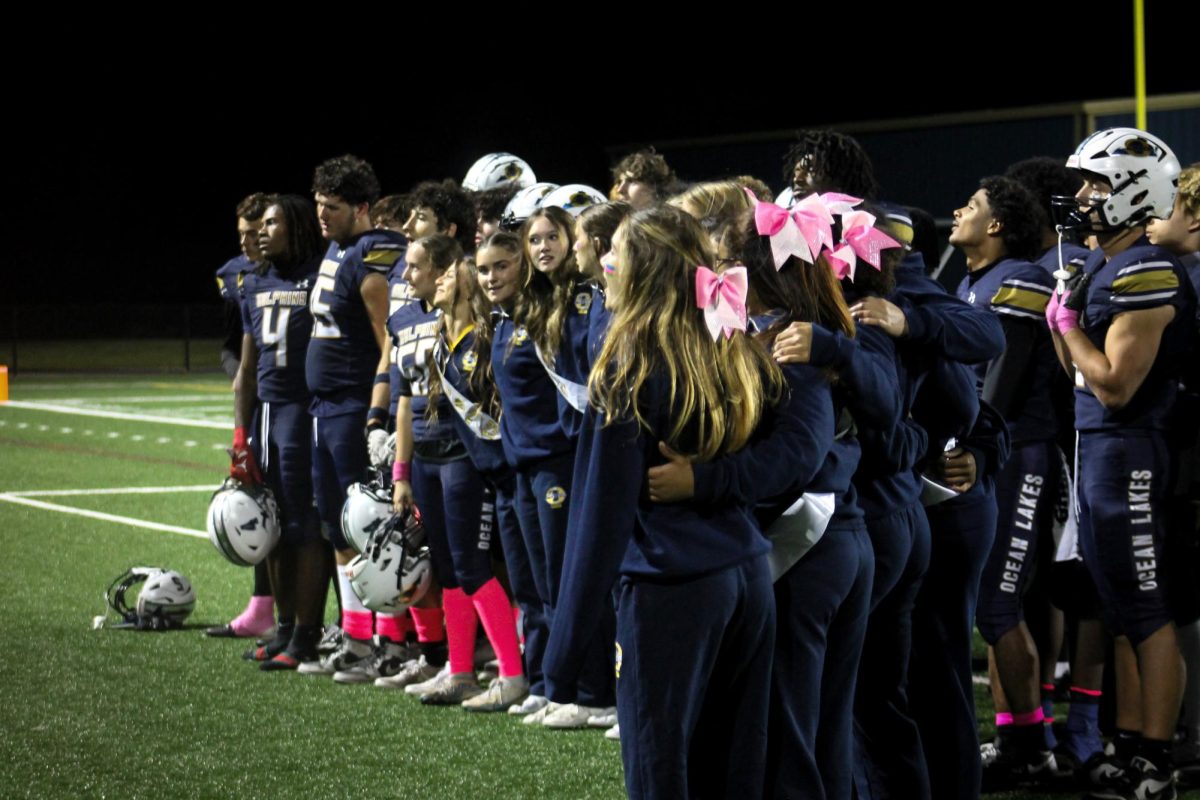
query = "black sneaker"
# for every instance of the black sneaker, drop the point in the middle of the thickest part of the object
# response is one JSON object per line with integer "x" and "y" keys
{"x": 1103, "y": 777}
{"x": 1149, "y": 782}
{"x": 1005, "y": 769}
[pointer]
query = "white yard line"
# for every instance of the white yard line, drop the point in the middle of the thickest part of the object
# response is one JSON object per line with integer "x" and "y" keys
{"x": 119, "y": 490}
{"x": 87, "y": 412}
{"x": 136, "y": 523}
{"x": 149, "y": 398}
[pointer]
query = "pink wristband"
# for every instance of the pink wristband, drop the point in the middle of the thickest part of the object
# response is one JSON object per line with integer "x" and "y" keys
{"x": 401, "y": 470}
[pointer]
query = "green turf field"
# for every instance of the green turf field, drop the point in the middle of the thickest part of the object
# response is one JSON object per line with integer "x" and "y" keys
{"x": 122, "y": 714}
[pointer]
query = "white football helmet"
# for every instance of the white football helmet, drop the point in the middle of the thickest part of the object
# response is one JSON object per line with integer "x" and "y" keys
{"x": 1143, "y": 173}
{"x": 394, "y": 570}
{"x": 367, "y": 508}
{"x": 498, "y": 169}
{"x": 167, "y": 595}
{"x": 574, "y": 198}
{"x": 243, "y": 522}
{"x": 524, "y": 203}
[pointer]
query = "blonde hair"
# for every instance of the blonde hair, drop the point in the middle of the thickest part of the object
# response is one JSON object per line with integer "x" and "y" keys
{"x": 718, "y": 389}
{"x": 717, "y": 203}
{"x": 1189, "y": 189}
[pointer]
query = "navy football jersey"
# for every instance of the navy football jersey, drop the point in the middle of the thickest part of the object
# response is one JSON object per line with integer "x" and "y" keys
{"x": 343, "y": 353}
{"x": 230, "y": 277}
{"x": 414, "y": 332}
{"x": 1018, "y": 292}
{"x": 399, "y": 298}
{"x": 1140, "y": 278}
{"x": 275, "y": 312}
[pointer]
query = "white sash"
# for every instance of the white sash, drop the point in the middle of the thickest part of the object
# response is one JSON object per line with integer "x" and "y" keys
{"x": 797, "y": 530}
{"x": 470, "y": 412}
{"x": 574, "y": 393}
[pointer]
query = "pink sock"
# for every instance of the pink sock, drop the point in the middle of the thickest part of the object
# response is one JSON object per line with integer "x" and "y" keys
{"x": 257, "y": 616}
{"x": 428, "y": 622}
{"x": 461, "y": 625}
{"x": 390, "y": 626}
{"x": 1034, "y": 717}
{"x": 356, "y": 624}
{"x": 493, "y": 606}
{"x": 1003, "y": 719}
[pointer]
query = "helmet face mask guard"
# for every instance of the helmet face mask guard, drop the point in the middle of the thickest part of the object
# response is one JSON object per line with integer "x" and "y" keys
{"x": 1141, "y": 170}
{"x": 394, "y": 570}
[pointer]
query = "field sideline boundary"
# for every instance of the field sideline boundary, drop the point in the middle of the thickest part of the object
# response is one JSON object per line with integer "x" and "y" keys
{"x": 87, "y": 412}
{"x": 18, "y": 499}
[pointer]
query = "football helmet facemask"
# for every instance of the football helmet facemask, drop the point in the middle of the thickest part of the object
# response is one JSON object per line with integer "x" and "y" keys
{"x": 394, "y": 570}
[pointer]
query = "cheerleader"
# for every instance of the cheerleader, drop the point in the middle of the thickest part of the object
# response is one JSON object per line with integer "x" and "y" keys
{"x": 695, "y": 613}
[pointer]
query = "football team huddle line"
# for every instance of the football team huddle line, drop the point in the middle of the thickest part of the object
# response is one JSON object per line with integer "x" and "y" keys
{"x": 742, "y": 448}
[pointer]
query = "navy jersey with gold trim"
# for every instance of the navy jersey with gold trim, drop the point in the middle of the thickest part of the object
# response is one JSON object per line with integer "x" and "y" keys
{"x": 414, "y": 332}
{"x": 1140, "y": 278}
{"x": 229, "y": 285}
{"x": 343, "y": 353}
{"x": 399, "y": 298}
{"x": 275, "y": 312}
{"x": 1073, "y": 258}
{"x": 1019, "y": 382}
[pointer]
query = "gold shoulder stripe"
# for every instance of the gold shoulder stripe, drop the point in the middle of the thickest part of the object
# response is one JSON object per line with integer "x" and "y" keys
{"x": 385, "y": 257}
{"x": 1153, "y": 280}
{"x": 1024, "y": 299}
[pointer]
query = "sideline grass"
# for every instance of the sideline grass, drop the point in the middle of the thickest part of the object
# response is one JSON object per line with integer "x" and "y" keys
{"x": 124, "y": 714}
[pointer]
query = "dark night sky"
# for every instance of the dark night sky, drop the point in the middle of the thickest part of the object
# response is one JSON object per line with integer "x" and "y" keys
{"x": 132, "y": 167}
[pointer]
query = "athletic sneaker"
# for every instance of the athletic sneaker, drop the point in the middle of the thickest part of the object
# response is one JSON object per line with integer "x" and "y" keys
{"x": 1005, "y": 769}
{"x": 418, "y": 689}
{"x": 1102, "y": 775}
{"x": 331, "y": 640}
{"x": 417, "y": 670}
{"x": 532, "y": 703}
{"x": 1141, "y": 781}
{"x": 350, "y": 653}
{"x": 573, "y": 716}
{"x": 605, "y": 720}
{"x": 388, "y": 659}
{"x": 613, "y": 733}
{"x": 501, "y": 695}
{"x": 453, "y": 690}
{"x": 287, "y": 660}
{"x": 537, "y": 717}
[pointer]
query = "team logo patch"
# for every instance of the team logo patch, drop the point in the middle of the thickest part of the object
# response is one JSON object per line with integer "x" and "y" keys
{"x": 490, "y": 429}
{"x": 556, "y": 496}
{"x": 470, "y": 360}
{"x": 617, "y": 661}
{"x": 583, "y": 301}
{"x": 520, "y": 336}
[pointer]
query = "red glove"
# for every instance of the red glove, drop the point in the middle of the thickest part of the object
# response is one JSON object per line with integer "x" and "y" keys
{"x": 244, "y": 468}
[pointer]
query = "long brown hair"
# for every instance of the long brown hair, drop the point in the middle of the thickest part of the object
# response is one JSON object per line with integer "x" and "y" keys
{"x": 544, "y": 299}
{"x": 718, "y": 389}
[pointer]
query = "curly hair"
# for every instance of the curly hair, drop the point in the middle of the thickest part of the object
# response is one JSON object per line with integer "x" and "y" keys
{"x": 451, "y": 205}
{"x": 837, "y": 162}
{"x": 1016, "y": 209}
{"x": 348, "y": 177}
{"x": 646, "y": 166}
{"x": 1189, "y": 189}
{"x": 490, "y": 203}
{"x": 1045, "y": 177}
{"x": 390, "y": 212}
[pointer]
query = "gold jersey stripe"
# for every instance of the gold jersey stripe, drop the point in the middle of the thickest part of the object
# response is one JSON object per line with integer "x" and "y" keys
{"x": 1153, "y": 280}
{"x": 1025, "y": 299}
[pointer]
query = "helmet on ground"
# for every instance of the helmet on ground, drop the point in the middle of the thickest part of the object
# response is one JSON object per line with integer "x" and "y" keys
{"x": 394, "y": 570}
{"x": 243, "y": 522}
{"x": 498, "y": 169}
{"x": 164, "y": 602}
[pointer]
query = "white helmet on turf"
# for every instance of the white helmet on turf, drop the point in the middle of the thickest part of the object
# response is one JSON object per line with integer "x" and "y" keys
{"x": 1143, "y": 173}
{"x": 498, "y": 169}
{"x": 524, "y": 203}
{"x": 368, "y": 507}
{"x": 243, "y": 522}
{"x": 574, "y": 198}
{"x": 394, "y": 570}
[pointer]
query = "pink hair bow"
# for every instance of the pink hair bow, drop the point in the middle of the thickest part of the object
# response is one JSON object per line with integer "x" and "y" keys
{"x": 860, "y": 239}
{"x": 723, "y": 298}
{"x": 787, "y": 238}
{"x": 815, "y": 221}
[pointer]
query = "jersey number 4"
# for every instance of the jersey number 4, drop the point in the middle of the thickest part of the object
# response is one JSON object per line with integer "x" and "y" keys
{"x": 274, "y": 332}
